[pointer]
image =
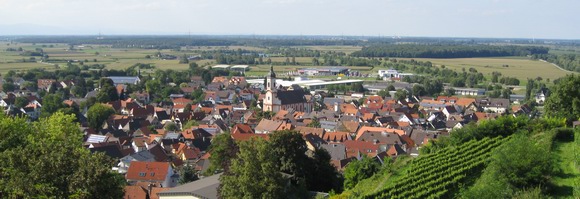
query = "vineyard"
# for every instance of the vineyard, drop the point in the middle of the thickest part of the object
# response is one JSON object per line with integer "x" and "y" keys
{"x": 435, "y": 175}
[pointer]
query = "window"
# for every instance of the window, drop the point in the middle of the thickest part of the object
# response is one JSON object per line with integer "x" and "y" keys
{"x": 152, "y": 174}
{"x": 142, "y": 174}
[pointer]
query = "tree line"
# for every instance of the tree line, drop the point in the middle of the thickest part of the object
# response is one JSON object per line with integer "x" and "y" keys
{"x": 569, "y": 62}
{"x": 447, "y": 51}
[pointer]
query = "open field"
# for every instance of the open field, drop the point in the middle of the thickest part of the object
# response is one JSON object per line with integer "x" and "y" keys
{"x": 113, "y": 58}
{"x": 345, "y": 49}
{"x": 519, "y": 67}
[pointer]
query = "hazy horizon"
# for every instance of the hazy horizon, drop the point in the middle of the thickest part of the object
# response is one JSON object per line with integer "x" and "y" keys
{"x": 540, "y": 19}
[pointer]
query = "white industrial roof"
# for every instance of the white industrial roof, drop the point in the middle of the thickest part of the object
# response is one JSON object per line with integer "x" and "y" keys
{"x": 312, "y": 82}
{"x": 334, "y": 82}
{"x": 240, "y": 66}
{"x": 221, "y": 66}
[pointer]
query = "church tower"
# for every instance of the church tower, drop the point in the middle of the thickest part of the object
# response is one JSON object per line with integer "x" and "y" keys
{"x": 271, "y": 101}
{"x": 271, "y": 80}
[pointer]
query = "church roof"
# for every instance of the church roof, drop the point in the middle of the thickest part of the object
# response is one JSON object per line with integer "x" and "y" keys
{"x": 291, "y": 97}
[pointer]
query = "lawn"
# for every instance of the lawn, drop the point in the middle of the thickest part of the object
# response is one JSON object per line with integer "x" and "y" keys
{"x": 567, "y": 179}
{"x": 519, "y": 67}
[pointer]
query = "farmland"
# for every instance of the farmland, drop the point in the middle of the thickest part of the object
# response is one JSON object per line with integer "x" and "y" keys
{"x": 519, "y": 67}
{"x": 121, "y": 58}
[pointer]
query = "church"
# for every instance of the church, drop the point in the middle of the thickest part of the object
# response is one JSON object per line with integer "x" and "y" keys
{"x": 276, "y": 100}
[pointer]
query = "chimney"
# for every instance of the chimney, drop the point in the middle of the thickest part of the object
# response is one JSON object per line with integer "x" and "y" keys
{"x": 335, "y": 106}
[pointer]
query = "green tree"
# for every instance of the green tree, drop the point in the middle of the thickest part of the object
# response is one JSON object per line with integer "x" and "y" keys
{"x": 97, "y": 114}
{"x": 189, "y": 124}
{"x": 419, "y": 90}
{"x": 107, "y": 92}
{"x": 564, "y": 99}
{"x": 322, "y": 175}
{"x": 401, "y": 94}
{"x": 193, "y": 66}
{"x": 289, "y": 148}
{"x": 315, "y": 123}
{"x": 359, "y": 170}
{"x": 8, "y": 87}
{"x": 50, "y": 104}
{"x": 187, "y": 174}
{"x": 171, "y": 126}
{"x": 222, "y": 149}
{"x": 50, "y": 162}
{"x": 253, "y": 173}
{"x": 153, "y": 86}
{"x": 183, "y": 59}
{"x": 20, "y": 102}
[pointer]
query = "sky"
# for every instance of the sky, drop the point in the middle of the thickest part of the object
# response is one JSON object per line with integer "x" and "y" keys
{"x": 550, "y": 19}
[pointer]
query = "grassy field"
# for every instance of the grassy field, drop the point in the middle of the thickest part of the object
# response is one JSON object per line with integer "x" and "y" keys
{"x": 345, "y": 49}
{"x": 113, "y": 58}
{"x": 519, "y": 67}
{"x": 567, "y": 179}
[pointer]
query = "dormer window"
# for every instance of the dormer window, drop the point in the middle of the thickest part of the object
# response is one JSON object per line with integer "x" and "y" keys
{"x": 142, "y": 174}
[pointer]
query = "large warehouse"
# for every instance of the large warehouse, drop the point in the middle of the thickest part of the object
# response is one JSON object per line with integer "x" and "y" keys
{"x": 323, "y": 71}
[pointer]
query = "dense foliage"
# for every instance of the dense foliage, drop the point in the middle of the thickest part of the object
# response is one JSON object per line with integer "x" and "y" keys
{"x": 274, "y": 168}
{"x": 564, "y": 100}
{"x": 46, "y": 159}
{"x": 98, "y": 114}
{"x": 447, "y": 51}
{"x": 358, "y": 170}
{"x": 518, "y": 164}
{"x": 569, "y": 62}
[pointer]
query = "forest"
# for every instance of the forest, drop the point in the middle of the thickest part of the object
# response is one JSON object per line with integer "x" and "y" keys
{"x": 569, "y": 62}
{"x": 447, "y": 51}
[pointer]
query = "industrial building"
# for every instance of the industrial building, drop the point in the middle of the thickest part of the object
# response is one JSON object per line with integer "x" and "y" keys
{"x": 323, "y": 71}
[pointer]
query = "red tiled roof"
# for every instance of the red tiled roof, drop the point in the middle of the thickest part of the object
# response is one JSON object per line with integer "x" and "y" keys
{"x": 365, "y": 129}
{"x": 181, "y": 100}
{"x": 148, "y": 171}
{"x": 135, "y": 192}
{"x": 242, "y": 129}
{"x": 354, "y": 147}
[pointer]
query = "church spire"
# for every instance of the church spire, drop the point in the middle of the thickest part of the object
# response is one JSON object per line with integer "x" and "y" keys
{"x": 272, "y": 74}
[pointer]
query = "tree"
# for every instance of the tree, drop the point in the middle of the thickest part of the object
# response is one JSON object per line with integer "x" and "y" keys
{"x": 184, "y": 59}
{"x": 50, "y": 162}
{"x": 315, "y": 123}
{"x": 401, "y": 94}
{"x": 20, "y": 102}
{"x": 97, "y": 114}
{"x": 253, "y": 173}
{"x": 190, "y": 124}
{"x": 50, "y": 104}
{"x": 153, "y": 86}
{"x": 187, "y": 174}
{"x": 289, "y": 148}
{"x": 193, "y": 66}
{"x": 418, "y": 90}
{"x": 171, "y": 126}
{"x": 222, "y": 149}
{"x": 8, "y": 87}
{"x": 359, "y": 170}
{"x": 564, "y": 99}
{"x": 322, "y": 174}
